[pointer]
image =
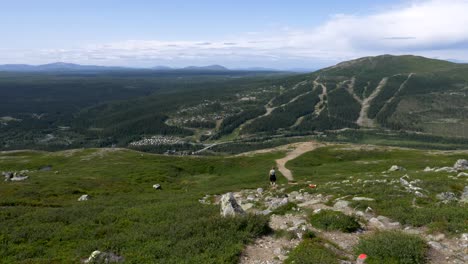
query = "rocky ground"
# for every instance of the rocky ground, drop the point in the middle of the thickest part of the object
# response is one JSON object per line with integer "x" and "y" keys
{"x": 291, "y": 227}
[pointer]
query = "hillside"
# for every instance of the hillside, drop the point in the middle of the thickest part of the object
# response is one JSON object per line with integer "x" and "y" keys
{"x": 390, "y": 92}
{"x": 43, "y": 220}
{"x": 190, "y": 110}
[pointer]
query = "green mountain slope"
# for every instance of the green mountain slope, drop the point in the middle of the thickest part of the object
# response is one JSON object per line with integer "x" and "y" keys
{"x": 391, "y": 92}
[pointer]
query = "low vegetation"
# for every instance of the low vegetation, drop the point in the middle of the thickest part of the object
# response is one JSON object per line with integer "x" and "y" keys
{"x": 312, "y": 250}
{"x": 393, "y": 247}
{"x": 332, "y": 220}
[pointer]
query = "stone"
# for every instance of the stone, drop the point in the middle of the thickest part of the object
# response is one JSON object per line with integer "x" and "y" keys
{"x": 462, "y": 174}
{"x": 362, "y": 199}
{"x": 247, "y": 206}
{"x": 435, "y": 245}
{"x": 316, "y": 211}
{"x": 277, "y": 202}
{"x": 419, "y": 194}
{"x": 446, "y": 197}
{"x": 260, "y": 190}
{"x": 104, "y": 257}
{"x": 404, "y": 182}
{"x": 428, "y": 169}
{"x": 446, "y": 169}
{"x": 84, "y": 197}
{"x": 229, "y": 206}
{"x": 341, "y": 204}
{"x": 375, "y": 223}
{"x": 464, "y": 196}
{"x": 461, "y": 164}
{"x": 396, "y": 168}
{"x": 157, "y": 187}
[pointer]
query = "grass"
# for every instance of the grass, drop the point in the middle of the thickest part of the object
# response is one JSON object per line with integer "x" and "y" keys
{"x": 391, "y": 247}
{"x": 333, "y": 220}
{"x": 42, "y": 222}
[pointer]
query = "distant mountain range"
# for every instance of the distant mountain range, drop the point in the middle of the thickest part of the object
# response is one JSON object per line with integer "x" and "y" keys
{"x": 71, "y": 67}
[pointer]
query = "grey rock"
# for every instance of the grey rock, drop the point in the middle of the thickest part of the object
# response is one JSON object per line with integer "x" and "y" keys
{"x": 362, "y": 199}
{"x": 435, "y": 245}
{"x": 446, "y": 169}
{"x": 277, "y": 202}
{"x": 461, "y": 164}
{"x": 84, "y": 197}
{"x": 429, "y": 169}
{"x": 404, "y": 182}
{"x": 446, "y": 197}
{"x": 396, "y": 168}
{"x": 462, "y": 174}
{"x": 247, "y": 206}
{"x": 229, "y": 206}
{"x": 260, "y": 190}
{"x": 464, "y": 196}
{"x": 157, "y": 186}
{"x": 341, "y": 204}
{"x": 104, "y": 257}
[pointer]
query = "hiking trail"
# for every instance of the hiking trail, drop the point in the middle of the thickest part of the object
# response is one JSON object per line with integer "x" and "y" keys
{"x": 299, "y": 149}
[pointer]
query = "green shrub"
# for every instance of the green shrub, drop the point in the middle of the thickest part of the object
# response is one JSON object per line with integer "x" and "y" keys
{"x": 312, "y": 251}
{"x": 332, "y": 220}
{"x": 393, "y": 247}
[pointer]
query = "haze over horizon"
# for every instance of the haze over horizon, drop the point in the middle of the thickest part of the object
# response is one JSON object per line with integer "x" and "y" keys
{"x": 235, "y": 34}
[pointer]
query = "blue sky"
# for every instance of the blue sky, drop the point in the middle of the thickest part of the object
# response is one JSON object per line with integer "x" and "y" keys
{"x": 279, "y": 34}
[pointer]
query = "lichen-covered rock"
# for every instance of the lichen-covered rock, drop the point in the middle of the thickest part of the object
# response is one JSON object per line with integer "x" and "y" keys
{"x": 229, "y": 206}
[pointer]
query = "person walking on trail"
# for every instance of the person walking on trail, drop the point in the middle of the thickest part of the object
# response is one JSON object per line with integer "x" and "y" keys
{"x": 273, "y": 177}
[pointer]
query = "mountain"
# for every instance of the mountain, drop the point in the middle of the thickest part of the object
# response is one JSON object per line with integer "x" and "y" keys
{"x": 56, "y": 66}
{"x": 384, "y": 92}
{"x": 162, "y": 68}
{"x": 377, "y": 95}
{"x": 206, "y": 68}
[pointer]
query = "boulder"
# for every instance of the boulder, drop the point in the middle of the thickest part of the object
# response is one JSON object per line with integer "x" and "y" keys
{"x": 464, "y": 196}
{"x": 84, "y": 197}
{"x": 229, "y": 206}
{"x": 396, "y": 168}
{"x": 461, "y": 164}
{"x": 462, "y": 174}
{"x": 277, "y": 202}
{"x": 157, "y": 187}
{"x": 341, "y": 204}
{"x": 446, "y": 197}
{"x": 260, "y": 190}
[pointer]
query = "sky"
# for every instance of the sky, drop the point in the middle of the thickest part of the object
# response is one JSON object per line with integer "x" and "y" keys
{"x": 237, "y": 34}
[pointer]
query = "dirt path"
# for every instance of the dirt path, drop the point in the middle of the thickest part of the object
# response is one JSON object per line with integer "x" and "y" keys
{"x": 299, "y": 149}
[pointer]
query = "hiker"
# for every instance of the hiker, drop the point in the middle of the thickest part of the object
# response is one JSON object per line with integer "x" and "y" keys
{"x": 273, "y": 177}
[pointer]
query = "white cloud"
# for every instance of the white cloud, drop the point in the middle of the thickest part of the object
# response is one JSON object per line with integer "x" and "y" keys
{"x": 436, "y": 28}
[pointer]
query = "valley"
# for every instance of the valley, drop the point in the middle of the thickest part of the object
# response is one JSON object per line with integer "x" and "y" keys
{"x": 172, "y": 166}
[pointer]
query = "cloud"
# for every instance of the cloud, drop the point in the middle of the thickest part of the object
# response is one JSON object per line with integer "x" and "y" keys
{"x": 434, "y": 28}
